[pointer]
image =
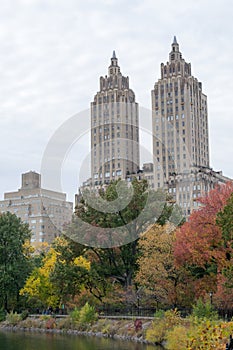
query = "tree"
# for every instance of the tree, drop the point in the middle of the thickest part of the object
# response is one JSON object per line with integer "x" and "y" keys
{"x": 107, "y": 226}
{"x": 14, "y": 258}
{"x": 38, "y": 286}
{"x": 224, "y": 293}
{"x": 157, "y": 272}
{"x": 60, "y": 276}
{"x": 111, "y": 222}
{"x": 71, "y": 268}
{"x": 201, "y": 245}
{"x": 225, "y": 221}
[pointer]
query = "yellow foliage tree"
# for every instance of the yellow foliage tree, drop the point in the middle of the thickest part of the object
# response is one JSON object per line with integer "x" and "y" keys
{"x": 39, "y": 284}
{"x": 157, "y": 272}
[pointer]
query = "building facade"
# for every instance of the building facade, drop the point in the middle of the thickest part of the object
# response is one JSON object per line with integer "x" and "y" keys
{"x": 45, "y": 211}
{"x": 148, "y": 174}
{"x": 187, "y": 187}
{"x": 114, "y": 128}
{"x": 179, "y": 121}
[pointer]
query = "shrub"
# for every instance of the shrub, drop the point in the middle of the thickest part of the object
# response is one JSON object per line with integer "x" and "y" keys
{"x": 177, "y": 338}
{"x": 87, "y": 314}
{"x": 204, "y": 310}
{"x": 159, "y": 314}
{"x": 13, "y": 318}
{"x": 74, "y": 315}
{"x": 45, "y": 317}
{"x": 51, "y": 323}
{"x": 159, "y": 328}
{"x": 64, "y": 323}
{"x": 207, "y": 334}
{"x": 24, "y": 315}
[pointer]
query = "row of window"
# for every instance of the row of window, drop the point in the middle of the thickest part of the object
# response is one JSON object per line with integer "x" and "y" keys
{"x": 108, "y": 174}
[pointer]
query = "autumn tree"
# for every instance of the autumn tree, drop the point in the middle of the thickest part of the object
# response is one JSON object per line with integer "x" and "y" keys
{"x": 157, "y": 273}
{"x": 71, "y": 268}
{"x": 38, "y": 287}
{"x": 111, "y": 223}
{"x": 60, "y": 276}
{"x": 201, "y": 245}
{"x": 15, "y": 261}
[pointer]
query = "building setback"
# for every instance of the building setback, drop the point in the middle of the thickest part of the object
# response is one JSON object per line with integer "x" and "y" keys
{"x": 114, "y": 128}
{"x": 45, "y": 211}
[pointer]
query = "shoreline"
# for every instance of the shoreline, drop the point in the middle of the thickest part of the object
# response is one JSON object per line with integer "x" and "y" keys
{"x": 126, "y": 330}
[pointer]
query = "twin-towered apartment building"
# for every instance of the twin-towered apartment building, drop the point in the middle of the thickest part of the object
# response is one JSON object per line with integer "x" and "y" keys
{"x": 180, "y": 163}
{"x": 179, "y": 128}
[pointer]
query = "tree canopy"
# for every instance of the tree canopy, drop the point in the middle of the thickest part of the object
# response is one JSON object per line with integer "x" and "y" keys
{"x": 15, "y": 261}
{"x": 203, "y": 244}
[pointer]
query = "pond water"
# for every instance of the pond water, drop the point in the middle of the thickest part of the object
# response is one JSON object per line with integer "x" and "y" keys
{"x": 49, "y": 341}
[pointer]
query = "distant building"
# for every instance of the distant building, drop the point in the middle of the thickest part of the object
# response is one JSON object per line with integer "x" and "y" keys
{"x": 180, "y": 119}
{"x": 148, "y": 173}
{"x": 180, "y": 134}
{"x": 187, "y": 187}
{"x": 44, "y": 210}
{"x": 114, "y": 129}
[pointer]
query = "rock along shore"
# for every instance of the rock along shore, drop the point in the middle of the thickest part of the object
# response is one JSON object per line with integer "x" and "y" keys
{"x": 106, "y": 328}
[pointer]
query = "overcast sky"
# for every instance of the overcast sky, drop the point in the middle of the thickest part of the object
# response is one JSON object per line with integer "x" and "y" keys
{"x": 53, "y": 52}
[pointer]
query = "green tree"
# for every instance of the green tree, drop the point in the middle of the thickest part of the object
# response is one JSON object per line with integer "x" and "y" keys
{"x": 225, "y": 221}
{"x": 15, "y": 261}
{"x": 71, "y": 269}
{"x": 112, "y": 224}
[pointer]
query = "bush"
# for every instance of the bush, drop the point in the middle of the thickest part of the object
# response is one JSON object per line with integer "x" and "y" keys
{"x": 204, "y": 310}
{"x": 51, "y": 323}
{"x": 74, "y": 315}
{"x": 64, "y": 323}
{"x": 86, "y": 315}
{"x": 159, "y": 314}
{"x": 24, "y": 315}
{"x": 159, "y": 328}
{"x": 177, "y": 338}
{"x": 13, "y": 318}
{"x": 207, "y": 334}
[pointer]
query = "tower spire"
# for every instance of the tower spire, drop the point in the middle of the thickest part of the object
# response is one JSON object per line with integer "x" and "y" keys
{"x": 114, "y": 68}
{"x": 174, "y": 40}
{"x": 175, "y": 53}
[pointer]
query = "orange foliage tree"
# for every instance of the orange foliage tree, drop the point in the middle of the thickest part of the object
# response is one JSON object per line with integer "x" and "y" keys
{"x": 200, "y": 245}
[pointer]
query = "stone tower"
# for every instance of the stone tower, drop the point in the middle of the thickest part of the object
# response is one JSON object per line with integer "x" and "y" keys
{"x": 114, "y": 128}
{"x": 179, "y": 120}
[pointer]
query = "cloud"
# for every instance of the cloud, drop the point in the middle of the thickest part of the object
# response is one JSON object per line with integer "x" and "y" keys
{"x": 52, "y": 54}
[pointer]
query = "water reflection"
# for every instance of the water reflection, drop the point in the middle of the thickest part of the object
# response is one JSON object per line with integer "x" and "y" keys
{"x": 48, "y": 341}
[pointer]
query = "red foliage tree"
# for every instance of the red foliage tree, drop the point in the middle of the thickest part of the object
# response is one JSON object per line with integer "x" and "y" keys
{"x": 199, "y": 242}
